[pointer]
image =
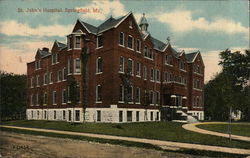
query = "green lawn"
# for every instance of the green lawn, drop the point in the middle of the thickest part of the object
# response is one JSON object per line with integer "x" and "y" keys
{"x": 237, "y": 129}
{"x": 153, "y": 130}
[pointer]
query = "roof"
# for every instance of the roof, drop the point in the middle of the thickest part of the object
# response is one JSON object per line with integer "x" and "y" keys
{"x": 158, "y": 44}
{"x": 43, "y": 53}
{"x": 60, "y": 45}
{"x": 191, "y": 56}
{"x": 143, "y": 20}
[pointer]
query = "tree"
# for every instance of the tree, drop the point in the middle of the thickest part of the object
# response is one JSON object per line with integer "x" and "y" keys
{"x": 12, "y": 96}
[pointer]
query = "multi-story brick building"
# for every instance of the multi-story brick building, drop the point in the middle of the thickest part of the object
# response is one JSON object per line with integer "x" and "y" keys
{"x": 116, "y": 72}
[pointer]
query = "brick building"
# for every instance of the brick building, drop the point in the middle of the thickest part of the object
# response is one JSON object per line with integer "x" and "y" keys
{"x": 116, "y": 72}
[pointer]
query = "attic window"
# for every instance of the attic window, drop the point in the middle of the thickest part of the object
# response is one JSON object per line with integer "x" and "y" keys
{"x": 77, "y": 42}
{"x": 130, "y": 24}
{"x": 99, "y": 41}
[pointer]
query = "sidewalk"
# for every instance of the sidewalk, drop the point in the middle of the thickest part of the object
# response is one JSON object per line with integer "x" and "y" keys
{"x": 163, "y": 144}
{"x": 192, "y": 127}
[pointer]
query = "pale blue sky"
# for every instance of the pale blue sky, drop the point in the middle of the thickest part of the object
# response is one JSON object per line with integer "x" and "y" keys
{"x": 208, "y": 26}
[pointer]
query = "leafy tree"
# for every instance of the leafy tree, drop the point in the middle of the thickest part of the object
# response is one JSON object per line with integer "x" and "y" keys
{"x": 12, "y": 96}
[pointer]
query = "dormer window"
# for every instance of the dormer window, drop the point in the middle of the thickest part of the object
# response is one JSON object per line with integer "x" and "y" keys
{"x": 182, "y": 65}
{"x": 38, "y": 64}
{"x": 54, "y": 58}
{"x": 69, "y": 42}
{"x": 77, "y": 41}
{"x": 169, "y": 60}
{"x": 99, "y": 41}
{"x": 130, "y": 24}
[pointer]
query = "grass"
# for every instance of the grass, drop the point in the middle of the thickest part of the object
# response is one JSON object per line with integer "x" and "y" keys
{"x": 237, "y": 129}
{"x": 169, "y": 131}
{"x": 125, "y": 143}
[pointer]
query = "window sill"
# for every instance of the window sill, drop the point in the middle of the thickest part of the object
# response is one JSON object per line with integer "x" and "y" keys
{"x": 138, "y": 52}
{"x": 183, "y": 70}
{"x": 138, "y": 76}
{"x": 98, "y": 73}
{"x": 148, "y": 58}
{"x": 130, "y": 48}
{"x": 130, "y": 102}
{"x": 121, "y": 45}
{"x": 169, "y": 65}
{"x": 64, "y": 103}
{"x": 121, "y": 102}
{"x": 54, "y": 104}
{"x": 99, "y": 47}
{"x": 138, "y": 103}
{"x": 77, "y": 48}
{"x": 98, "y": 102}
{"x": 121, "y": 72}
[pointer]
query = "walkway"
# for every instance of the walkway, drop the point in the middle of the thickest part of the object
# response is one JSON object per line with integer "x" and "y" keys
{"x": 163, "y": 144}
{"x": 192, "y": 127}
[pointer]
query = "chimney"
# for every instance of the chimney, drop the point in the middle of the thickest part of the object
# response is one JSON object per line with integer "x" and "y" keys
{"x": 45, "y": 49}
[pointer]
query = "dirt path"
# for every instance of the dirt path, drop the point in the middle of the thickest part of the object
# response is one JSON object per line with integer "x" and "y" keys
{"x": 14, "y": 145}
{"x": 163, "y": 144}
{"x": 194, "y": 128}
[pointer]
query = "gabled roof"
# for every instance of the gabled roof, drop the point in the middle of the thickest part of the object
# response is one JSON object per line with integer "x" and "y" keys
{"x": 60, "y": 45}
{"x": 90, "y": 28}
{"x": 42, "y": 53}
{"x": 159, "y": 45}
{"x": 191, "y": 56}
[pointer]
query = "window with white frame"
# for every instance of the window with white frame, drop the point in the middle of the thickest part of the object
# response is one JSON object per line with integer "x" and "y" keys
{"x": 169, "y": 60}
{"x": 77, "y": 66}
{"x": 145, "y": 73}
{"x": 45, "y": 99}
{"x": 64, "y": 96}
{"x": 150, "y": 54}
{"x": 31, "y": 100}
{"x": 99, "y": 41}
{"x": 121, "y": 64}
{"x": 152, "y": 75}
{"x": 70, "y": 66}
{"x": 78, "y": 92}
{"x": 54, "y": 114}
{"x": 130, "y": 24}
{"x": 157, "y": 97}
{"x": 99, "y": 65}
{"x": 31, "y": 82}
{"x": 59, "y": 76}
{"x": 158, "y": 75}
{"x": 64, "y": 73}
{"x": 64, "y": 114}
{"x": 77, "y": 115}
{"x": 54, "y": 58}
{"x": 38, "y": 65}
{"x": 69, "y": 42}
{"x": 121, "y": 39}
{"x": 50, "y": 77}
{"x": 38, "y": 81}
{"x": 138, "y": 45}
{"x": 121, "y": 93}
{"x": 98, "y": 93}
{"x": 151, "y": 97}
{"x": 138, "y": 69}
{"x": 130, "y": 66}
{"x": 45, "y": 79}
{"x": 130, "y": 94}
{"x": 182, "y": 65}
{"x": 170, "y": 77}
{"x": 137, "y": 95}
{"x": 37, "y": 99}
{"x": 54, "y": 98}
{"x": 165, "y": 76}
{"x": 77, "y": 41}
{"x": 130, "y": 42}
{"x": 146, "y": 51}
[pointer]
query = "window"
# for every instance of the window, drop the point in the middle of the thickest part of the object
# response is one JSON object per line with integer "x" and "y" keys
{"x": 32, "y": 115}
{"x": 138, "y": 69}
{"x": 152, "y": 74}
{"x": 77, "y": 115}
{"x": 121, "y": 64}
{"x": 54, "y": 114}
{"x": 77, "y": 41}
{"x": 77, "y": 65}
{"x": 45, "y": 79}
{"x": 157, "y": 116}
{"x": 157, "y": 98}
{"x": 120, "y": 116}
{"x": 38, "y": 81}
{"x": 158, "y": 75}
{"x": 150, "y": 54}
{"x": 99, "y": 65}
{"x": 129, "y": 116}
{"x": 70, "y": 68}
{"x": 31, "y": 100}
{"x": 99, "y": 41}
{"x": 45, "y": 114}
{"x": 121, "y": 93}
{"x": 37, "y": 99}
{"x": 59, "y": 76}
{"x": 69, "y": 42}
{"x": 137, "y": 115}
{"x": 169, "y": 60}
{"x": 98, "y": 93}
{"x": 37, "y": 114}
{"x": 138, "y": 95}
{"x": 130, "y": 67}
{"x": 170, "y": 77}
{"x": 38, "y": 65}
{"x": 64, "y": 96}
{"x": 197, "y": 101}
{"x": 54, "y": 97}
{"x": 165, "y": 77}
{"x": 182, "y": 65}
{"x": 151, "y": 115}
{"x": 64, "y": 114}
{"x": 130, "y": 24}
{"x": 99, "y": 115}
{"x": 130, "y": 42}
{"x": 64, "y": 73}
{"x": 151, "y": 97}
{"x": 45, "y": 99}
{"x": 130, "y": 94}
{"x": 145, "y": 73}
{"x": 50, "y": 78}
{"x": 146, "y": 51}
{"x": 138, "y": 45}
{"x": 78, "y": 93}
{"x": 194, "y": 101}
{"x": 31, "y": 82}
{"x": 121, "y": 39}
{"x": 54, "y": 59}
{"x": 70, "y": 113}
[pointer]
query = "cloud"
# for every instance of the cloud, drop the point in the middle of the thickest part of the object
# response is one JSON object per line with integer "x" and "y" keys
{"x": 15, "y": 59}
{"x": 211, "y": 60}
{"x": 182, "y": 21}
{"x": 115, "y": 8}
{"x": 14, "y": 28}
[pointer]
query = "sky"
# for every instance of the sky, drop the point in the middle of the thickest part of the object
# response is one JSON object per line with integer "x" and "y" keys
{"x": 207, "y": 26}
